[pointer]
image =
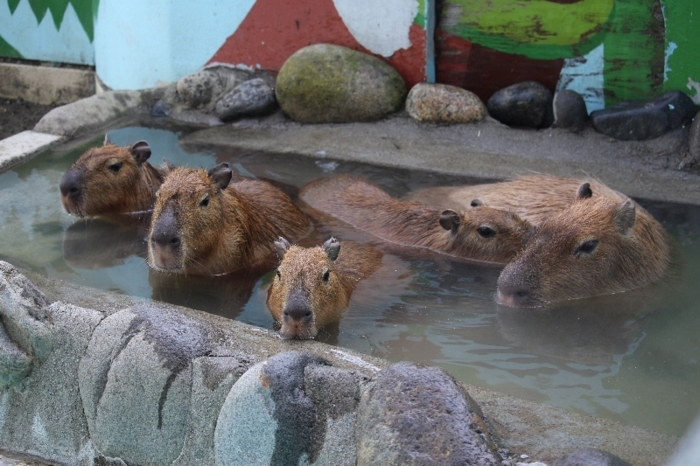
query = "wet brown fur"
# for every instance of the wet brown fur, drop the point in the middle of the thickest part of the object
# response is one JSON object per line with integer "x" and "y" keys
{"x": 301, "y": 271}
{"x": 366, "y": 206}
{"x": 532, "y": 197}
{"x": 234, "y": 232}
{"x": 632, "y": 250}
{"x": 131, "y": 189}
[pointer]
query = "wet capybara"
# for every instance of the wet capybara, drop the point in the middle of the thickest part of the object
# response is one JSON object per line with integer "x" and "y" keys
{"x": 112, "y": 179}
{"x": 202, "y": 225}
{"x": 596, "y": 246}
{"x": 480, "y": 233}
{"x": 312, "y": 286}
{"x": 532, "y": 197}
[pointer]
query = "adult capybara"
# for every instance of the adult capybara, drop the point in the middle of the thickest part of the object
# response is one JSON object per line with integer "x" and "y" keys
{"x": 532, "y": 197}
{"x": 112, "y": 179}
{"x": 202, "y": 225}
{"x": 480, "y": 233}
{"x": 313, "y": 285}
{"x": 596, "y": 246}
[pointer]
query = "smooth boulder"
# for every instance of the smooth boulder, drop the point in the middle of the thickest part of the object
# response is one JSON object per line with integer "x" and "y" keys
{"x": 569, "y": 111}
{"x": 527, "y": 104}
{"x": 442, "y": 103}
{"x": 325, "y": 83}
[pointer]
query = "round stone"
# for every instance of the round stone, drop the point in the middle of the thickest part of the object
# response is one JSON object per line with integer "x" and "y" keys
{"x": 527, "y": 104}
{"x": 569, "y": 110}
{"x": 442, "y": 103}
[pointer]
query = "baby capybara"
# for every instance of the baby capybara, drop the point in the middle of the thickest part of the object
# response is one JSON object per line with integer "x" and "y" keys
{"x": 480, "y": 233}
{"x": 596, "y": 246}
{"x": 202, "y": 225}
{"x": 532, "y": 197}
{"x": 112, "y": 179}
{"x": 312, "y": 286}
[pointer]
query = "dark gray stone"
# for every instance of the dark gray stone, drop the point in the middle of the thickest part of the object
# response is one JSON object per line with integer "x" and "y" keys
{"x": 527, "y": 104}
{"x": 254, "y": 97}
{"x": 590, "y": 457}
{"x": 325, "y": 83}
{"x": 694, "y": 140}
{"x": 415, "y": 415}
{"x": 569, "y": 110}
{"x": 640, "y": 120}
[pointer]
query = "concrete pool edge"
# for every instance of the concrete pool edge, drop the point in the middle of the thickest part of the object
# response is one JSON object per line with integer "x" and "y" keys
{"x": 95, "y": 322}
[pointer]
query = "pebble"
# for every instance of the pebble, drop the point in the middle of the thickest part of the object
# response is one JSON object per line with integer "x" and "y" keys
{"x": 527, "y": 104}
{"x": 442, "y": 103}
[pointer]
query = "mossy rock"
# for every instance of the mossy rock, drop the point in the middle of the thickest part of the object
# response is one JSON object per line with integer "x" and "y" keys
{"x": 331, "y": 84}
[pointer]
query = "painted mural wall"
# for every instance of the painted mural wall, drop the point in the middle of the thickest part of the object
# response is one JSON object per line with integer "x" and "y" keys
{"x": 607, "y": 50}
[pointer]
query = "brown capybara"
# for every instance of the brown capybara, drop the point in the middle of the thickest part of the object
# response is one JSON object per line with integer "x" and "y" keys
{"x": 112, "y": 179}
{"x": 312, "y": 286}
{"x": 596, "y": 246}
{"x": 202, "y": 225}
{"x": 532, "y": 197}
{"x": 480, "y": 233}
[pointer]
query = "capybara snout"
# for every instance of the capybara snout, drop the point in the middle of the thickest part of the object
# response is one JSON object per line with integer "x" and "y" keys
{"x": 313, "y": 286}
{"x": 111, "y": 180}
{"x": 597, "y": 246}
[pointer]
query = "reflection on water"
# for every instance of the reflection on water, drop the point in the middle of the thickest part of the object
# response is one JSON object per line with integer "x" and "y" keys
{"x": 631, "y": 357}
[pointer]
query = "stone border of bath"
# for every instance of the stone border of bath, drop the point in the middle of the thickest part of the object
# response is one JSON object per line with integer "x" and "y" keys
{"x": 45, "y": 84}
{"x": 544, "y": 433}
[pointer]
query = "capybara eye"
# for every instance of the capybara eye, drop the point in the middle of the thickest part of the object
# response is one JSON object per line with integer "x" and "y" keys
{"x": 326, "y": 275}
{"x": 115, "y": 167}
{"x": 204, "y": 202}
{"x": 486, "y": 232}
{"x": 279, "y": 274}
{"x": 587, "y": 247}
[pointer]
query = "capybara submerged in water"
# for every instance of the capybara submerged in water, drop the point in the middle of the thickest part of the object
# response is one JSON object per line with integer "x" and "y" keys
{"x": 596, "y": 246}
{"x": 480, "y": 233}
{"x": 112, "y": 179}
{"x": 532, "y": 197}
{"x": 312, "y": 286}
{"x": 202, "y": 225}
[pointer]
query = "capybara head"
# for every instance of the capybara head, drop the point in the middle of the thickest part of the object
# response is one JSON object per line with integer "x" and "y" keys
{"x": 484, "y": 233}
{"x": 109, "y": 180}
{"x": 307, "y": 292}
{"x": 597, "y": 246}
{"x": 188, "y": 220}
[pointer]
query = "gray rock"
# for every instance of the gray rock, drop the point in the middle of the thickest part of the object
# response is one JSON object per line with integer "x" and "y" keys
{"x": 442, "y": 103}
{"x": 294, "y": 408}
{"x": 694, "y": 140}
{"x": 527, "y": 104}
{"x": 202, "y": 89}
{"x": 640, "y": 120}
{"x": 331, "y": 84}
{"x": 569, "y": 110}
{"x": 136, "y": 379}
{"x": 420, "y": 415}
{"x": 250, "y": 98}
{"x": 86, "y": 116}
{"x": 43, "y": 416}
{"x": 590, "y": 457}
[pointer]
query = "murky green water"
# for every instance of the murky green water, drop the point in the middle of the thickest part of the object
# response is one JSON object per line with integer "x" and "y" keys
{"x": 632, "y": 357}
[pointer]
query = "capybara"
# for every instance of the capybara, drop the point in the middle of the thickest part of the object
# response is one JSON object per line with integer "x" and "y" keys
{"x": 202, "y": 225}
{"x": 112, "y": 179}
{"x": 312, "y": 286}
{"x": 532, "y": 197}
{"x": 596, "y": 246}
{"x": 480, "y": 233}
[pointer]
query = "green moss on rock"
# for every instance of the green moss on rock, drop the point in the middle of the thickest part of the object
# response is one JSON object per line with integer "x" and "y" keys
{"x": 331, "y": 84}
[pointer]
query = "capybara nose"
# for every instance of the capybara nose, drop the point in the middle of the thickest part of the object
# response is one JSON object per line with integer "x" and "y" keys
{"x": 298, "y": 312}
{"x": 165, "y": 232}
{"x": 515, "y": 296}
{"x": 70, "y": 184}
{"x": 165, "y": 238}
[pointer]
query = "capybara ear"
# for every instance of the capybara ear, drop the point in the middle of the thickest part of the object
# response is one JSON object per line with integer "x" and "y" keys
{"x": 625, "y": 217}
{"x": 106, "y": 141}
{"x": 281, "y": 246}
{"x": 476, "y": 203}
{"x": 221, "y": 175}
{"x": 584, "y": 191}
{"x": 141, "y": 151}
{"x": 167, "y": 166}
{"x": 332, "y": 247}
{"x": 449, "y": 219}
